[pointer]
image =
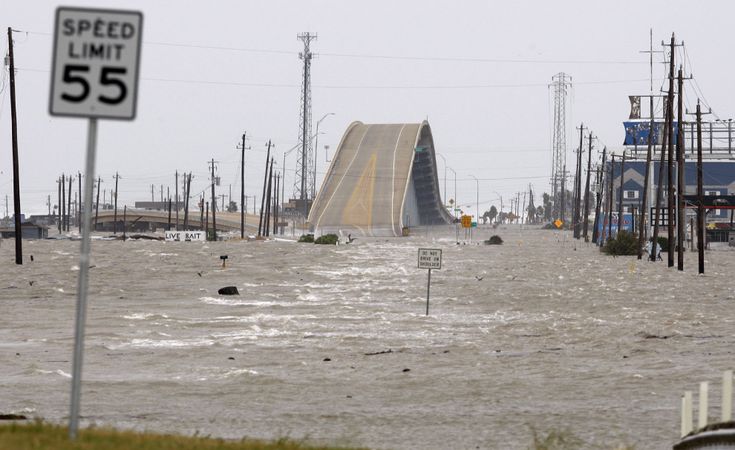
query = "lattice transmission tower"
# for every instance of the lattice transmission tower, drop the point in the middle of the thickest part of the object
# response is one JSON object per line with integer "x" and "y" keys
{"x": 304, "y": 181}
{"x": 561, "y": 83}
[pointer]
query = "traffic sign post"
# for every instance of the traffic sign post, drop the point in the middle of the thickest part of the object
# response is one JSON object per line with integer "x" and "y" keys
{"x": 94, "y": 74}
{"x": 429, "y": 258}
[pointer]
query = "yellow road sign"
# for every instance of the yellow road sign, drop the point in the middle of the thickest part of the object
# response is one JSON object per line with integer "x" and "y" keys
{"x": 466, "y": 221}
{"x": 558, "y": 223}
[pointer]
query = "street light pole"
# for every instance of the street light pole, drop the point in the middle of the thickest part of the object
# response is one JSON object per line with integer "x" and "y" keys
{"x": 477, "y": 200}
{"x": 316, "y": 149}
{"x": 445, "y": 176}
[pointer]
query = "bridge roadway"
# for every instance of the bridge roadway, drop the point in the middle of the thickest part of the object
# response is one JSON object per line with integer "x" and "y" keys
{"x": 225, "y": 221}
{"x": 382, "y": 178}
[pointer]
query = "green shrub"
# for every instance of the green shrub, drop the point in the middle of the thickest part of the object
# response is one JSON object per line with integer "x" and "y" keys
{"x": 327, "y": 239}
{"x": 625, "y": 243}
{"x": 308, "y": 238}
{"x": 663, "y": 243}
{"x": 494, "y": 240}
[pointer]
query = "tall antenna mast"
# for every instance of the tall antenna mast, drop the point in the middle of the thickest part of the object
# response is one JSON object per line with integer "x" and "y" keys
{"x": 304, "y": 180}
{"x": 561, "y": 83}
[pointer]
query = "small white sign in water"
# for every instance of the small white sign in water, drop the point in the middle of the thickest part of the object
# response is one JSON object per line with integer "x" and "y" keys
{"x": 430, "y": 258}
{"x": 185, "y": 236}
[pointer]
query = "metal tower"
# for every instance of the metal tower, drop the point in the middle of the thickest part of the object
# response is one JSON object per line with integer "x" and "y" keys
{"x": 304, "y": 179}
{"x": 561, "y": 83}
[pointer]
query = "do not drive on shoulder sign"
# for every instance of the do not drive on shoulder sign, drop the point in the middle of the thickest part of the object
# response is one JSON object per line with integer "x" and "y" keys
{"x": 96, "y": 61}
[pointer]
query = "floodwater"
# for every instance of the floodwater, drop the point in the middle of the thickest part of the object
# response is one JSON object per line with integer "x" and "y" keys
{"x": 332, "y": 344}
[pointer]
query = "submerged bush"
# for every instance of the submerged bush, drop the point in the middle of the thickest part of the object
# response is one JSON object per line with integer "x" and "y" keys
{"x": 494, "y": 240}
{"x": 309, "y": 238}
{"x": 625, "y": 243}
{"x": 327, "y": 239}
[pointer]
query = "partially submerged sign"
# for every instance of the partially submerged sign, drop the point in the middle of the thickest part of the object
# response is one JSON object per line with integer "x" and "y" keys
{"x": 430, "y": 258}
{"x": 96, "y": 63}
{"x": 185, "y": 236}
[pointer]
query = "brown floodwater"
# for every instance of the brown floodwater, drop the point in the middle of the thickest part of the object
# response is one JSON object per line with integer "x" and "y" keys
{"x": 332, "y": 344}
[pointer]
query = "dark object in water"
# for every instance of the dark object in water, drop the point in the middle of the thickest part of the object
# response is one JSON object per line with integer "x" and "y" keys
{"x": 13, "y": 417}
{"x": 379, "y": 353}
{"x": 494, "y": 240}
{"x": 228, "y": 290}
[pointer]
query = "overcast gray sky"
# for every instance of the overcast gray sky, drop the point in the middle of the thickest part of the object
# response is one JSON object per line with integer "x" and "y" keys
{"x": 478, "y": 70}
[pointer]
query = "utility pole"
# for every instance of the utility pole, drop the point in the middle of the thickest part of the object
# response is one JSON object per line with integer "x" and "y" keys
{"x": 97, "y": 205}
{"x": 700, "y": 192}
{"x": 63, "y": 203}
{"x": 59, "y": 183}
{"x": 306, "y": 156}
{"x": 599, "y": 189}
{"x": 578, "y": 184}
{"x": 681, "y": 182}
{"x": 16, "y": 170}
{"x": 266, "y": 219}
{"x": 187, "y": 187}
{"x": 670, "y": 179}
{"x": 659, "y": 186}
{"x": 176, "y": 198}
{"x": 562, "y": 207}
{"x": 242, "y": 147}
{"x": 114, "y": 220}
{"x": 265, "y": 183}
{"x": 610, "y": 199}
{"x": 620, "y": 199}
{"x": 587, "y": 190}
{"x": 214, "y": 203}
{"x": 79, "y": 209}
{"x": 68, "y": 208}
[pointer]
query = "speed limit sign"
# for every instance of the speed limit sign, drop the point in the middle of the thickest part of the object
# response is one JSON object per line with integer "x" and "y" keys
{"x": 96, "y": 61}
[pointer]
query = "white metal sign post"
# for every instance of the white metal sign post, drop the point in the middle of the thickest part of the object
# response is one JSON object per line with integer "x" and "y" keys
{"x": 429, "y": 258}
{"x": 94, "y": 74}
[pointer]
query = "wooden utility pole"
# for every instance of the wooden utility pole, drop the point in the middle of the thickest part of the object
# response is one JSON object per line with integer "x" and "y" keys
{"x": 275, "y": 204}
{"x": 587, "y": 191}
{"x": 265, "y": 182}
{"x": 176, "y": 198}
{"x": 660, "y": 185}
{"x": 670, "y": 198}
{"x": 114, "y": 220}
{"x": 187, "y": 193}
{"x": 59, "y": 183}
{"x": 681, "y": 182}
{"x": 610, "y": 199}
{"x": 79, "y": 208}
{"x": 700, "y": 193}
{"x": 598, "y": 204}
{"x": 620, "y": 198}
{"x": 578, "y": 184}
{"x": 242, "y": 186}
{"x": 267, "y": 217}
{"x": 562, "y": 208}
{"x": 97, "y": 205}
{"x": 63, "y": 203}
{"x": 68, "y": 208}
{"x": 214, "y": 206}
{"x": 168, "y": 227}
{"x": 16, "y": 170}
{"x": 125, "y": 221}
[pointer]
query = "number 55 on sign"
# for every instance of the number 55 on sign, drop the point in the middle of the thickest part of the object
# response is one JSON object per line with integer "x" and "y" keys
{"x": 96, "y": 61}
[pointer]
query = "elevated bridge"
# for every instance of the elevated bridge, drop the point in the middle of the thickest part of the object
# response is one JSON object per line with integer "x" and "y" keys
{"x": 383, "y": 177}
{"x": 145, "y": 219}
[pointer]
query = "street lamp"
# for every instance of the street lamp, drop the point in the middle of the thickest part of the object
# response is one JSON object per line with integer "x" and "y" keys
{"x": 316, "y": 149}
{"x": 454, "y": 212}
{"x": 477, "y": 204}
{"x": 445, "y": 175}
